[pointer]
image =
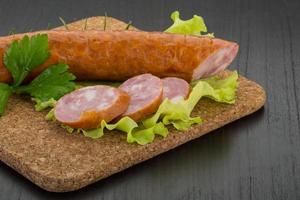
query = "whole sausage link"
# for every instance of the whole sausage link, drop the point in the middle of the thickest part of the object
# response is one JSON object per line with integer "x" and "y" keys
{"x": 119, "y": 55}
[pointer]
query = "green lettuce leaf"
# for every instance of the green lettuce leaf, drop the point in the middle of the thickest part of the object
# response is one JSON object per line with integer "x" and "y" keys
{"x": 41, "y": 105}
{"x": 218, "y": 89}
{"x": 125, "y": 124}
{"x": 178, "y": 114}
{"x": 144, "y": 135}
{"x": 194, "y": 26}
{"x": 5, "y": 92}
{"x": 50, "y": 115}
{"x": 68, "y": 128}
{"x": 169, "y": 113}
{"x": 135, "y": 133}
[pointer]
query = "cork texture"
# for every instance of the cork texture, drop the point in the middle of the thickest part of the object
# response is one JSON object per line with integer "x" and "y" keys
{"x": 57, "y": 161}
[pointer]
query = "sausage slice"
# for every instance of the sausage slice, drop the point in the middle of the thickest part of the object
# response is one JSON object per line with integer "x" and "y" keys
{"x": 145, "y": 93}
{"x": 175, "y": 88}
{"x": 87, "y": 107}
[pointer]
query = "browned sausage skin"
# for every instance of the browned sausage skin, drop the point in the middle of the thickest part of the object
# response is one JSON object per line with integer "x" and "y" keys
{"x": 119, "y": 55}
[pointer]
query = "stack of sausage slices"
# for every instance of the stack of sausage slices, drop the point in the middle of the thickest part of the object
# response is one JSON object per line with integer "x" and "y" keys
{"x": 137, "y": 98}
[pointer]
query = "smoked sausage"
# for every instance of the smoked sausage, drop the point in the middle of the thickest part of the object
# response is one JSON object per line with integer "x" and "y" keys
{"x": 119, "y": 55}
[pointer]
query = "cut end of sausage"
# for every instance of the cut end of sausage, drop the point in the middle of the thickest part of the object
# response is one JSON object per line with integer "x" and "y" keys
{"x": 87, "y": 107}
{"x": 145, "y": 93}
{"x": 217, "y": 62}
{"x": 175, "y": 89}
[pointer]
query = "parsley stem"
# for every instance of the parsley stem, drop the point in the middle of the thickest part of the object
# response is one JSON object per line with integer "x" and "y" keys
{"x": 64, "y": 23}
{"x": 85, "y": 24}
{"x": 104, "y": 24}
{"x": 12, "y": 31}
{"x": 21, "y": 78}
{"x": 128, "y": 25}
{"x": 49, "y": 26}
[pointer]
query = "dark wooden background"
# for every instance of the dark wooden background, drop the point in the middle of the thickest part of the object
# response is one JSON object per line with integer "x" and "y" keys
{"x": 257, "y": 157}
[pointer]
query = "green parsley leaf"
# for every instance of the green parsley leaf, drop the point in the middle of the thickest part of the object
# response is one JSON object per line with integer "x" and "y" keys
{"x": 5, "y": 92}
{"x": 25, "y": 55}
{"x": 54, "y": 82}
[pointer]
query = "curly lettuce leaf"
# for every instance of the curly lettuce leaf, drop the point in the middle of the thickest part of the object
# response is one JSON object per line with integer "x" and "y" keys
{"x": 68, "y": 128}
{"x": 178, "y": 114}
{"x": 50, "y": 115}
{"x": 218, "y": 89}
{"x": 135, "y": 132}
{"x": 175, "y": 113}
{"x": 42, "y": 105}
{"x": 194, "y": 26}
{"x": 144, "y": 135}
{"x": 125, "y": 124}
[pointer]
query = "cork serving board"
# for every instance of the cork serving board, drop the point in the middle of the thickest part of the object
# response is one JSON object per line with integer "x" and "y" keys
{"x": 57, "y": 161}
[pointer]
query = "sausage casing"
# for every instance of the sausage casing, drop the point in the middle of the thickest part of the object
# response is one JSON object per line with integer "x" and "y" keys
{"x": 119, "y": 55}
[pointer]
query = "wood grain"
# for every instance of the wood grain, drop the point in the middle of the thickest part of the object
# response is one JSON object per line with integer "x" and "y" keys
{"x": 256, "y": 157}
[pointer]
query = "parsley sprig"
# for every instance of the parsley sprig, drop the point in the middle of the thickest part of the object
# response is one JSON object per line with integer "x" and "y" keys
{"x": 24, "y": 56}
{"x": 54, "y": 82}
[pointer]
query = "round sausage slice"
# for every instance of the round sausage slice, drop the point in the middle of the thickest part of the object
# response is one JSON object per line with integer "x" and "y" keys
{"x": 145, "y": 93}
{"x": 87, "y": 107}
{"x": 175, "y": 89}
